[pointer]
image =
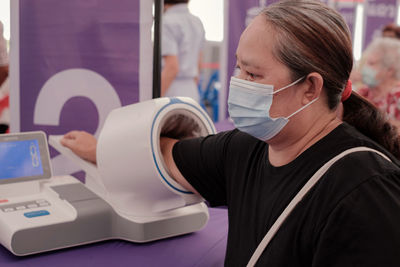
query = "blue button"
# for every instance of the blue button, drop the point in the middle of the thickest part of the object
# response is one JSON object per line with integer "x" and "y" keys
{"x": 37, "y": 213}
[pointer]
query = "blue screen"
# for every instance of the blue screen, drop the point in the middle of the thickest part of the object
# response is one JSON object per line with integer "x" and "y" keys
{"x": 20, "y": 159}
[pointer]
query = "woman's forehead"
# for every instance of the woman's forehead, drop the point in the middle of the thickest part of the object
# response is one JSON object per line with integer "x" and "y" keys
{"x": 257, "y": 31}
{"x": 256, "y": 43}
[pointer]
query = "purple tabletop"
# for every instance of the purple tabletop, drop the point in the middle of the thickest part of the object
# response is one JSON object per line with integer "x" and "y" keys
{"x": 203, "y": 248}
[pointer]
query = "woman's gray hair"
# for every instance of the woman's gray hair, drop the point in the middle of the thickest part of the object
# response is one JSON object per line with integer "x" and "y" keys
{"x": 312, "y": 37}
{"x": 389, "y": 51}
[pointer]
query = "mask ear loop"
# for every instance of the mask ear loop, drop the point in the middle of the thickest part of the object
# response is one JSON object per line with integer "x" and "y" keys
{"x": 287, "y": 86}
{"x": 303, "y": 107}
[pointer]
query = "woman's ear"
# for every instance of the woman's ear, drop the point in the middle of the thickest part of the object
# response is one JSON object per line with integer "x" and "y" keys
{"x": 313, "y": 87}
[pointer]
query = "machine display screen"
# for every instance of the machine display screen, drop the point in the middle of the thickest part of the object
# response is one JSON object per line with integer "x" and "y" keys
{"x": 20, "y": 159}
{"x": 24, "y": 157}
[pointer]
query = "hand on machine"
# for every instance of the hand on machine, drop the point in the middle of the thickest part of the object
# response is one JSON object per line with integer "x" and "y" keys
{"x": 128, "y": 194}
{"x": 82, "y": 144}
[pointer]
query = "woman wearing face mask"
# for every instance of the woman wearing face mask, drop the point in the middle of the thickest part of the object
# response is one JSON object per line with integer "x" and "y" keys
{"x": 293, "y": 197}
{"x": 381, "y": 75}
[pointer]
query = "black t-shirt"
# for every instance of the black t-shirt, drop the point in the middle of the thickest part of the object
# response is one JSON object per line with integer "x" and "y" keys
{"x": 351, "y": 217}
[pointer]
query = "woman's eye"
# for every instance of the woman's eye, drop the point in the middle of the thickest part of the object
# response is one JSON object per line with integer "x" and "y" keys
{"x": 252, "y": 76}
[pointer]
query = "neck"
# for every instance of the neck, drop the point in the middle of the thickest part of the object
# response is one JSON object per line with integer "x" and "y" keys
{"x": 281, "y": 153}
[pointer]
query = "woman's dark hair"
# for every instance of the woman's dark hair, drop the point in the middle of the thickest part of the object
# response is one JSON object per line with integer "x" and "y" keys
{"x": 371, "y": 122}
{"x": 312, "y": 37}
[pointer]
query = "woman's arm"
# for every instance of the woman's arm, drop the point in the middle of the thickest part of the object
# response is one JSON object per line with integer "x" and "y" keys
{"x": 84, "y": 145}
{"x": 166, "y": 145}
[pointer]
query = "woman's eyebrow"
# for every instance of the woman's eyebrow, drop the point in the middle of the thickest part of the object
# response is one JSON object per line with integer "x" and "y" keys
{"x": 247, "y": 63}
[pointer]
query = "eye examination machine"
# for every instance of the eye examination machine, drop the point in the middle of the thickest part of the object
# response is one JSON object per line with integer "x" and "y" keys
{"x": 128, "y": 195}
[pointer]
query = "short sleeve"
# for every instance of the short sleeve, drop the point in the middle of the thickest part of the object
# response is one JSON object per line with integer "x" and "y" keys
{"x": 169, "y": 42}
{"x": 201, "y": 161}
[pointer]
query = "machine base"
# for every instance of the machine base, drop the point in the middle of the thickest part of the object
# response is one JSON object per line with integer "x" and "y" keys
{"x": 96, "y": 220}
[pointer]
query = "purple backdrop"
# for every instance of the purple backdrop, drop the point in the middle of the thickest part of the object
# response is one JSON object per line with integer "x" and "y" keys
{"x": 78, "y": 60}
{"x": 348, "y": 11}
{"x": 238, "y": 12}
{"x": 377, "y": 14}
{"x": 101, "y": 36}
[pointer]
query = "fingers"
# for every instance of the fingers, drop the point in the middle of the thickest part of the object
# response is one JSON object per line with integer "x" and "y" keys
{"x": 81, "y": 143}
{"x": 66, "y": 142}
{"x": 70, "y": 143}
{"x": 72, "y": 135}
{"x": 69, "y": 139}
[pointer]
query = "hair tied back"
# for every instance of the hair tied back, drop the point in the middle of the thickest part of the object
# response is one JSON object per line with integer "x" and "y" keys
{"x": 347, "y": 91}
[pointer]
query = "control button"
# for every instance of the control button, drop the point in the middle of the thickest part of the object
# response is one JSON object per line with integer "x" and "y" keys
{"x": 8, "y": 209}
{"x": 3, "y": 200}
{"x": 20, "y": 208}
{"x": 44, "y": 204}
{"x": 37, "y": 213}
{"x": 32, "y": 206}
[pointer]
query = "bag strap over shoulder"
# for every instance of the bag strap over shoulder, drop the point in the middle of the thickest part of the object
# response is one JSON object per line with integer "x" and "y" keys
{"x": 311, "y": 182}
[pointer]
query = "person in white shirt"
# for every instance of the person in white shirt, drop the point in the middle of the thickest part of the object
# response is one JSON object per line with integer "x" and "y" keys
{"x": 183, "y": 37}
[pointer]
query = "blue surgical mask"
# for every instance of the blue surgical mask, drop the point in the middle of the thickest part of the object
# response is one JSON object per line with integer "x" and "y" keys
{"x": 249, "y": 104}
{"x": 369, "y": 76}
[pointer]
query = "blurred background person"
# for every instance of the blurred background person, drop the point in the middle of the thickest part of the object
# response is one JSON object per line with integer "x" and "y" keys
{"x": 391, "y": 30}
{"x": 4, "y": 91}
{"x": 183, "y": 37}
{"x": 380, "y": 73}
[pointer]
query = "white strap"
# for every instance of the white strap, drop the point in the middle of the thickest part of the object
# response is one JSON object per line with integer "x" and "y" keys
{"x": 313, "y": 180}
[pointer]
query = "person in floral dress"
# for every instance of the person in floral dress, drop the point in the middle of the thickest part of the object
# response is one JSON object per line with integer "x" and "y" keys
{"x": 381, "y": 76}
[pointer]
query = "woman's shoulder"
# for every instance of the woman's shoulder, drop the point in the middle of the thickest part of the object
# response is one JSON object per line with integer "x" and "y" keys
{"x": 363, "y": 190}
{"x": 357, "y": 171}
{"x": 342, "y": 138}
{"x": 367, "y": 163}
{"x": 235, "y": 137}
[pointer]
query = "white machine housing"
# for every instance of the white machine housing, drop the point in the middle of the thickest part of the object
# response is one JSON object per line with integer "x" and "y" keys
{"x": 129, "y": 157}
{"x": 131, "y": 176}
{"x": 129, "y": 196}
